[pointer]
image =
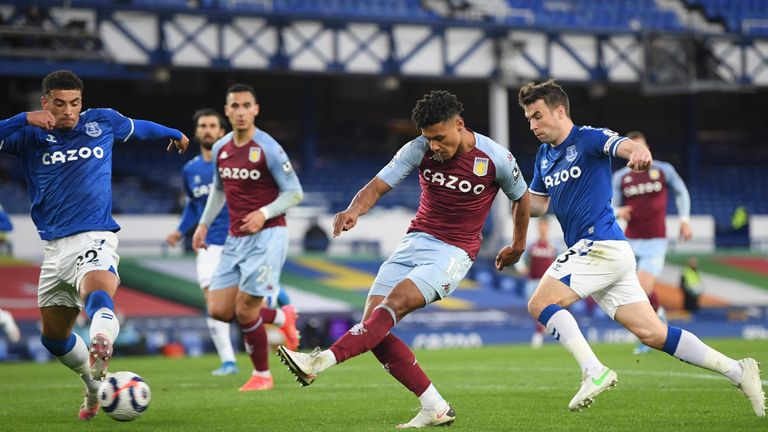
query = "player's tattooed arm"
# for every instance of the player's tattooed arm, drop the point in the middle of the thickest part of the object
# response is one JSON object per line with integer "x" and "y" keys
{"x": 509, "y": 255}
{"x": 361, "y": 203}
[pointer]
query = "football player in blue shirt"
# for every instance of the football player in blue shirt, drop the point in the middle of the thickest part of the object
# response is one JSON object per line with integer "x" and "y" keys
{"x": 68, "y": 170}
{"x": 198, "y": 179}
{"x": 572, "y": 175}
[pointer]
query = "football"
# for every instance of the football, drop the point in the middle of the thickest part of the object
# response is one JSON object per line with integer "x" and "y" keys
{"x": 124, "y": 396}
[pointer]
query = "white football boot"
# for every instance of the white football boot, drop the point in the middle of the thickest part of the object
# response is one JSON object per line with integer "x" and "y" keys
{"x": 751, "y": 385}
{"x": 301, "y": 365}
{"x": 444, "y": 416}
{"x": 591, "y": 387}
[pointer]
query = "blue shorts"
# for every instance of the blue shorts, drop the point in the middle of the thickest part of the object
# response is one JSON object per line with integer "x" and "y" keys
{"x": 650, "y": 254}
{"x": 433, "y": 265}
{"x": 253, "y": 262}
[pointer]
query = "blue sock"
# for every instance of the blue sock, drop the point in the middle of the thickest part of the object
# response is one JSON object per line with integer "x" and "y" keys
{"x": 547, "y": 313}
{"x": 97, "y": 300}
{"x": 59, "y": 347}
{"x": 282, "y": 298}
{"x": 673, "y": 340}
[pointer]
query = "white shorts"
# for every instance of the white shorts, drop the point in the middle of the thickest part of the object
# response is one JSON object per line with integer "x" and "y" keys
{"x": 207, "y": 260}
{"x": 603, "y": 269}
{"x": 68, "y": 259}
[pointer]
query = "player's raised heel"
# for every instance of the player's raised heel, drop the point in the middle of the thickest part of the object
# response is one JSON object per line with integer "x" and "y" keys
{"x": 444, "y": 416}
{"x": 90, "y": 406}
{"x": 299, "y": 364}
{"x": 100, "y": 354}
{"x": 752, "y": 386}
{"x": 288, "y": 329}
{"x": 591, "y": 387}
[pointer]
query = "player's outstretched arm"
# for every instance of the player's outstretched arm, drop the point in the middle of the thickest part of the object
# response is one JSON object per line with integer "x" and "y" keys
{"x": 638, "y": 155}
{"x": 363, "y": 201}
{"x": 521, "y": 210}
{"x": 147, "y": 130}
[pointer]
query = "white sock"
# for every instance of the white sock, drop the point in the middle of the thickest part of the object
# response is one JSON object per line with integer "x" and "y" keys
{"x": 563, "y": 327}
{"x": 219, "y": 331}
{"x": 692, "y": 350}
{"x": 77, "y": 360}
{"x": 263, "y": 374}
{"x": 431, "y": 399}
{"x": 279, "y": 317}
{"x": 324, "y": 360}
{"x": 105, "y": 321}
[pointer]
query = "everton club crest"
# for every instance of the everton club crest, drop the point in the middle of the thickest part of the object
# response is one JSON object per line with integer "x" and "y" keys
{"x": 92, "y": 129}
{"x": 571, "y": 154}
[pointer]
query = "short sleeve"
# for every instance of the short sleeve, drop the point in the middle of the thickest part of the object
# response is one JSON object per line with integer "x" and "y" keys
{"x": 510, "y": 178}
{"x": 404, "y": 161}
{"x": 122, "y": 126}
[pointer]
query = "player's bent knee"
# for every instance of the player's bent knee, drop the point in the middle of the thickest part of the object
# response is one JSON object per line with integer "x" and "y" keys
{"x": 651, "y": 338}
{"x": 220, "y": 314}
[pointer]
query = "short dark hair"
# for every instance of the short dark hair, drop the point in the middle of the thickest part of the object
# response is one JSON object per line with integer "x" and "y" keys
{"x": 239, "y": 88}
{"x": 209, "y": 112}
{"x": 62, "y": 80}
{"x": 549, "y": 91}
{"x": 435, "y": 107}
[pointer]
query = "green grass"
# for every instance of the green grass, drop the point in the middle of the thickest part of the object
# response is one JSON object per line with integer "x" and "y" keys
{"x": 509, "y": 388}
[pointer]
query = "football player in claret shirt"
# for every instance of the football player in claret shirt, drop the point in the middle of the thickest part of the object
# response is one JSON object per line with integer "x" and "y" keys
{"x": 460, "y": 172}
{"x": 640, "y": 198}
{"x": 253, "y": 176}
{"x": 68, "y": 169}
{"x": 572, "y": 174}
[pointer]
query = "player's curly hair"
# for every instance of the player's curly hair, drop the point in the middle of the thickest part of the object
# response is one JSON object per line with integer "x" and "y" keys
{"x": 62, "y": 80}
{"x": 549, "y": 91}
{"x": 435, "y": 107}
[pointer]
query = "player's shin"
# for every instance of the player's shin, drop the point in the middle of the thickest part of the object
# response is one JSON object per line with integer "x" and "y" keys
{"x": 690, "y": 349}
{"x": 564, "y": 328}
{"x": 73, "y": 353}
{"x": 101, "y": 310}
{"x": 397, "y": 359}
{"x": 364, "y": 336}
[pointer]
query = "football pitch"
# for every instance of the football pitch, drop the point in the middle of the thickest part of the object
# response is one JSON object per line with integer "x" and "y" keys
{"x": 503, "y": 388}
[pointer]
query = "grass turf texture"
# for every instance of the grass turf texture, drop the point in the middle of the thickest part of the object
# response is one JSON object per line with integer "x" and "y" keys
{"x": 504, "y": 388}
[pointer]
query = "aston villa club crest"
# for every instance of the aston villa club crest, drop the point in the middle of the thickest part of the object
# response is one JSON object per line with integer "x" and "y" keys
{"x": 654, "y": 174}
{"x": 481, "y": 166}
{"x": 92, "y": 129}
{"x": 254, "y": 154}
{"x": 571, "y": 154}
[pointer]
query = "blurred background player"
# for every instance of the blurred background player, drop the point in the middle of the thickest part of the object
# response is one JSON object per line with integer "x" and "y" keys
{"x": 253, "y": 176}
{"x": 8, "y": 324}
{"x": 690, "y": 283}
{"x": 460, "y": 173}
{"x": 197, "y": 177}
{"x": 640, "y": 198}
{"x": 68, "y": 170}
{"x": 572, "y": 171}
{"x": 534, "y": 263}
{"x": 5, "y": 227}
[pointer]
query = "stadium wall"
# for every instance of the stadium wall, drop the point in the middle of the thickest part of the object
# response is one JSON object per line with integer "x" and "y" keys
{"x": 145, "y": 235}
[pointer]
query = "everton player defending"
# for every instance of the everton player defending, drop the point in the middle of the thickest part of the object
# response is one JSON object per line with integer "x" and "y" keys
{"x": 460, "y": 172}
{"x": 573, "y": 175}
{"x": 197, "y": 177}
{"x": 68, "y": 169}
{"x": 253, "y": 175}
{"x": 640, "y": 198}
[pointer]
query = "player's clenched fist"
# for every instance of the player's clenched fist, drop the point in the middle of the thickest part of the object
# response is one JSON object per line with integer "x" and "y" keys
{"x": 181, "y": 144}
{"x": 640, "y": 159}
{"x": 42, "y": 119}
{"x": 198, "y": 239}
{"x": 344, "y": 221}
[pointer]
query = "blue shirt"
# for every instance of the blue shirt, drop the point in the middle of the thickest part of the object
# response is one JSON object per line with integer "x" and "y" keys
{"x": 69, "y": 172}
{"x": 576, "y": 175}
{"x": 198, "y": 181}
{"x": 5, "y": 221}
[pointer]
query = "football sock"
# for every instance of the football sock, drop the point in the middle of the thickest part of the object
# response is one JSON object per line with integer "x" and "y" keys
{"x": 273, "y": 316}
{"x": 400, "y": 362}
{"x": 563, "y": 327}
{"x": 100, "y": 310}
{"x": 73, "y": 353}
{"x": 219, "y": 331}
{"x": 364, "y": 336}
{"x": 263, "y": 374}
{"x": 255, "y": 341}
{"x": 690, "y": 349}
{"x": 431, "y": 399}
